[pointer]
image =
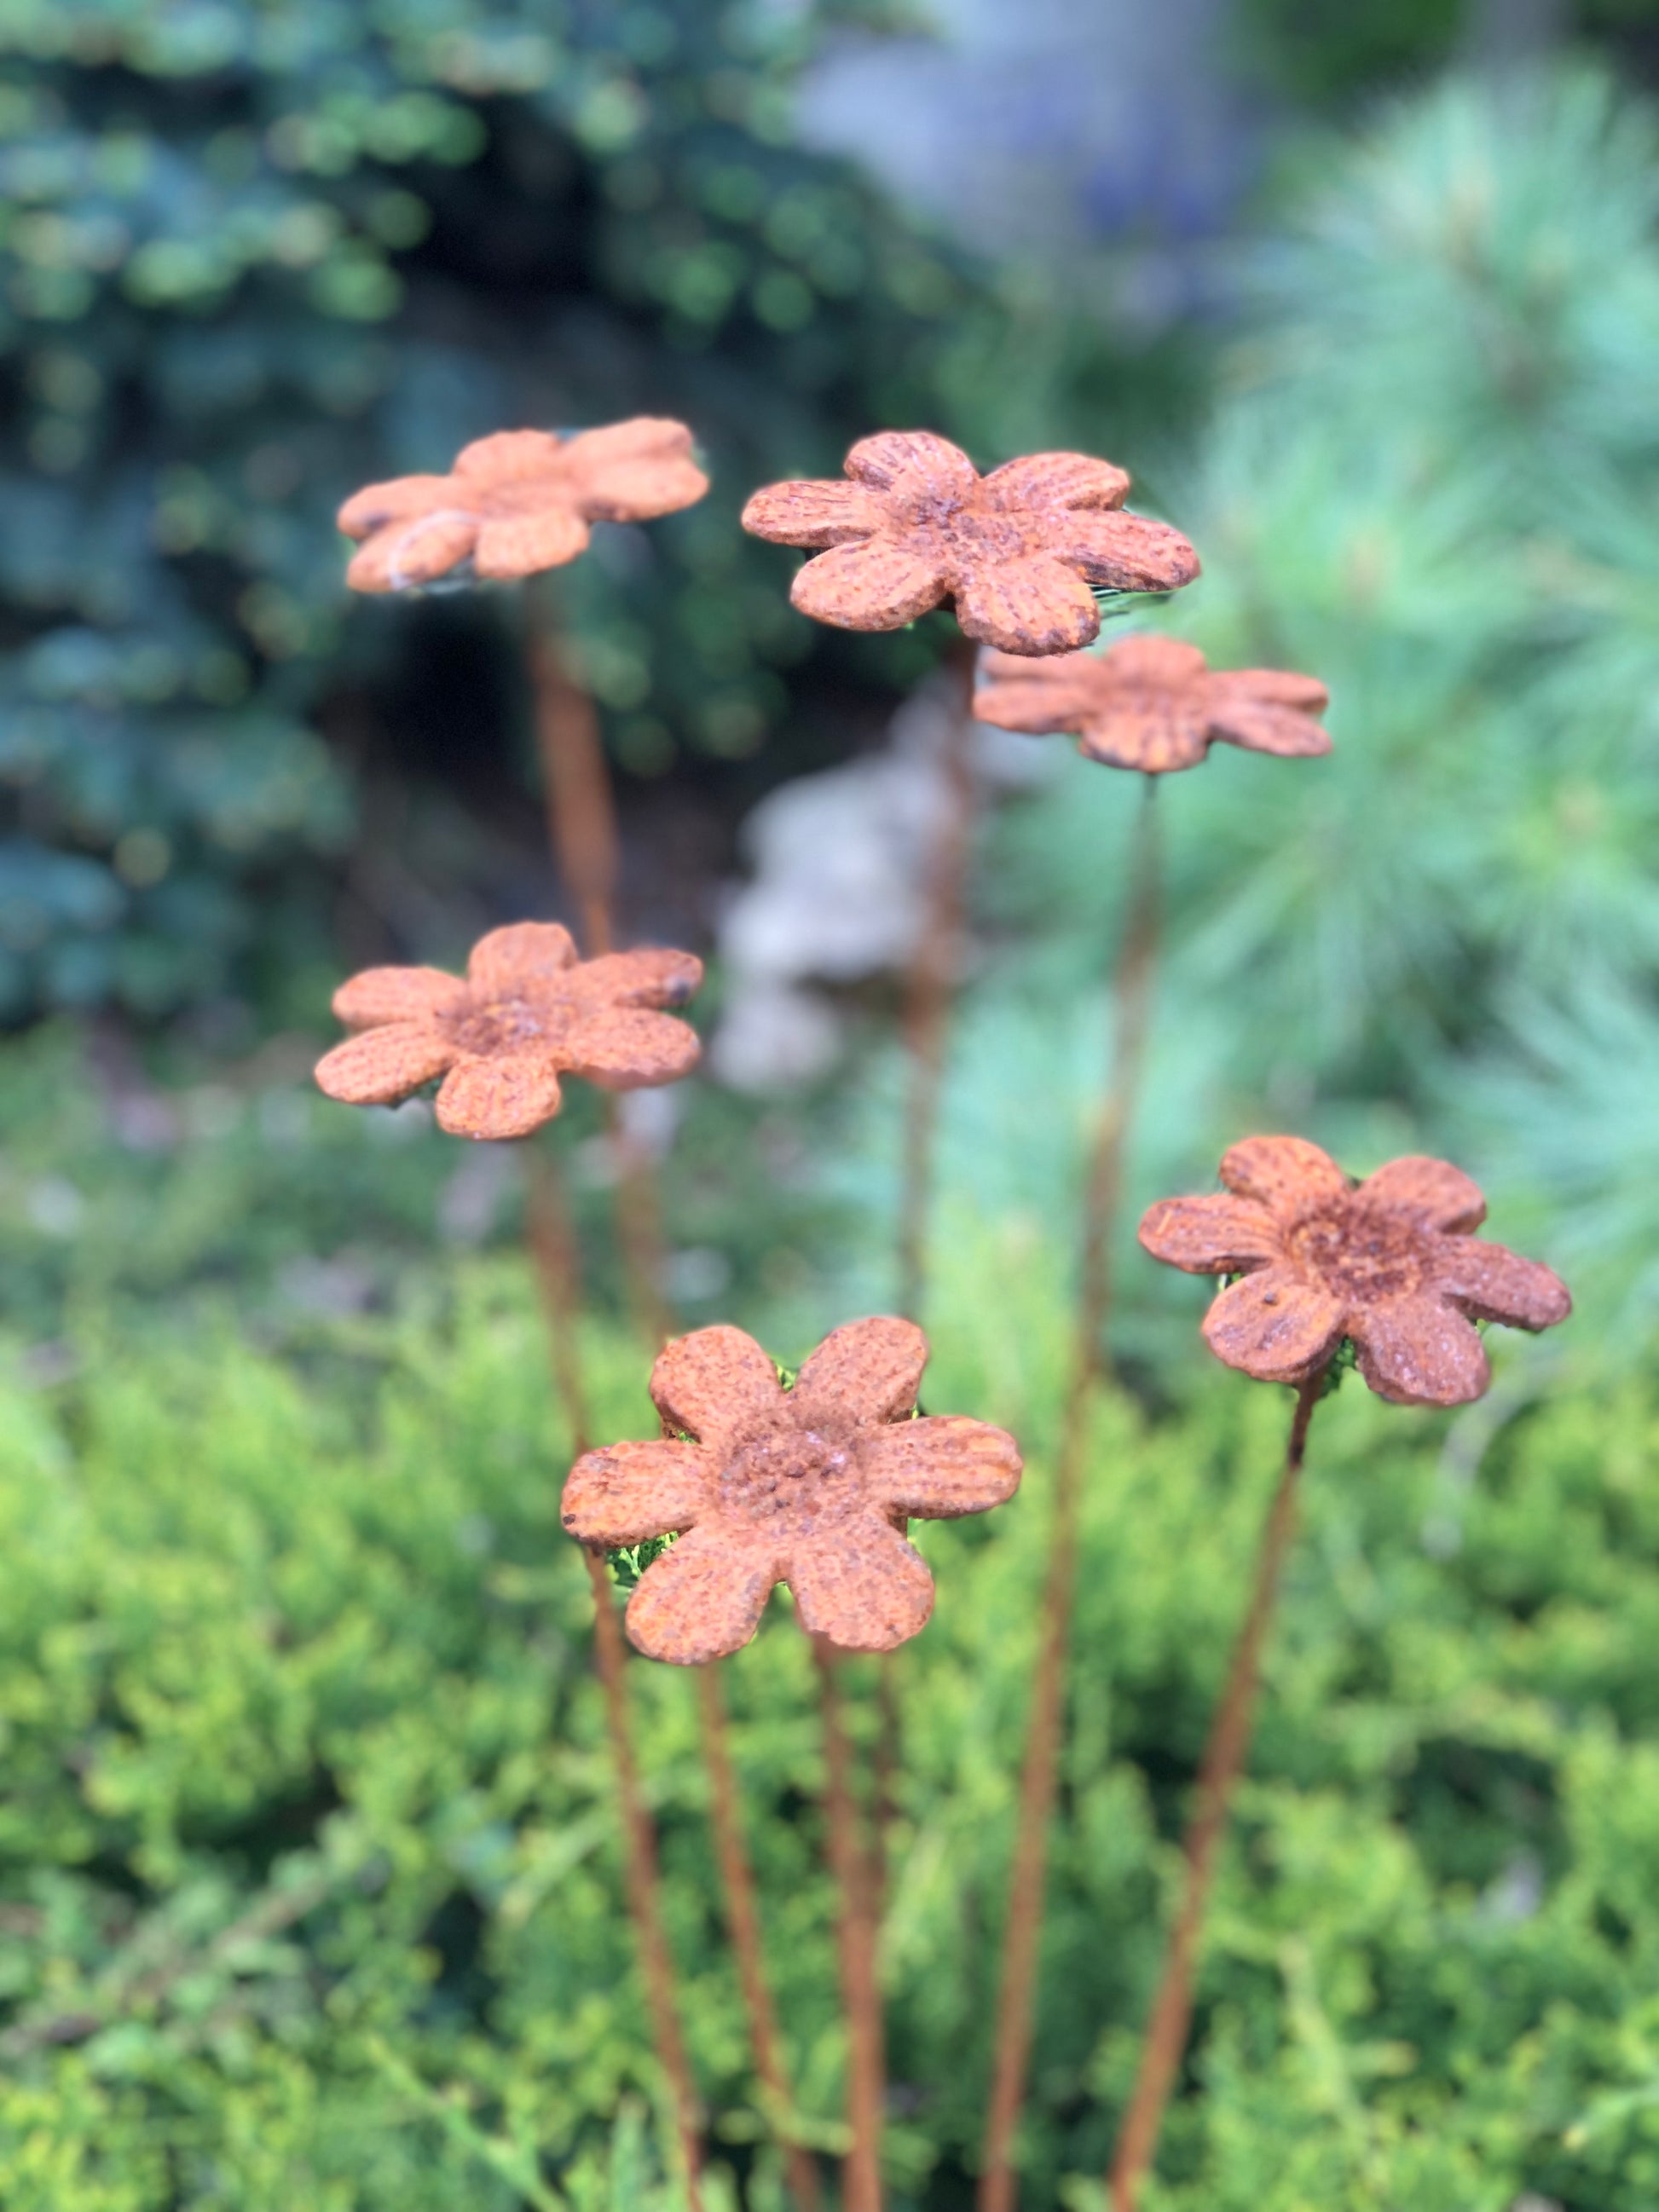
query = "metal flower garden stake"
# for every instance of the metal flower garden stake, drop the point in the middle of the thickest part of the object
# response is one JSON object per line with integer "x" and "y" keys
{"x": 812, "y": 1484}
{"x": 1389, "y": 1266}
{"x": 1022, "y": 555}
{"x": 527, "y": 1013}
{"x": 515, "y": 506}
{"x": 1151, "y": 704}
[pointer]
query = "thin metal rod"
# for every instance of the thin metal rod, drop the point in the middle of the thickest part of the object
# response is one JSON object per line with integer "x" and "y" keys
{"x": 1218, "y": 1775}
{"x": 931, "y": 991}
{"x": 641, "y": 1878}
{"x": 742, "y": 1913}
{"x": 581, "y": 823}
{"x": 866, "y": 2058}
{"x": 581, "y": 813}
{"x": 553, "y": 1250}
{"x": 1131, "y": 992}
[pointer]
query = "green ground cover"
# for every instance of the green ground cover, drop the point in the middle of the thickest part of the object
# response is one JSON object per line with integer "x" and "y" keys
{"x": 310, "y": 1882}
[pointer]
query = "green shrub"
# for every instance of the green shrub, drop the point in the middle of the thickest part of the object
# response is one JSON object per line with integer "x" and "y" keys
{"x": 309, "y": 1846}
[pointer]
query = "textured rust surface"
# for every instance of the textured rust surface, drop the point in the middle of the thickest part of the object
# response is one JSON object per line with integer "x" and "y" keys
{"x": 1152, "y": 704}
{"x": 527, "y": 1012}
{"x": 811, "y": 1486}
{"x": 1017, "y": 551}
{"x": 518, "y": 502}
{"x": 1388, "y": 1262}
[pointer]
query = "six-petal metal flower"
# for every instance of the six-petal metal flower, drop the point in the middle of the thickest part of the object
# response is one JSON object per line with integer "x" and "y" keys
{"x": 1389, "y": 1263}
{"x": 811, "y": 1485}
{"x": 519, "y": 502}
{"x": 527, "y": 1012}
{"x": 916, "y": 524}
{"x": 1152, "y": 704}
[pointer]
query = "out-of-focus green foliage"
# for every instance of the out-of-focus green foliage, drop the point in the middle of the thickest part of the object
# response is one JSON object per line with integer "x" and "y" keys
{"x": 253, "y": 255}
{"x": 1332, "y": 50}
{"x": 1431, "y": 482}
{"x": 308, "y": 1849}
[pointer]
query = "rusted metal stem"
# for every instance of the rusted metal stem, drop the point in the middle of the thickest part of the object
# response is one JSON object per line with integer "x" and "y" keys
{"x": 641, "y": 1878}
{"x": 867, "y": 2060}
{"x": 553, "y": 1250}
{"x": 931, "y": 988}
{"x": 1132, "y": 989}
{"x": 581, "y": 814}
{"x": 743, "y": 1914}
{"x": 1223, "y": 1763}
{"x": 558, "y": 1270}
{"x": 581, "y": 822}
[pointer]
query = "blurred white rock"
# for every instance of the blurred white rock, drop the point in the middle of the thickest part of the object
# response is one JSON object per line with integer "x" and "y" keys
{"x": 837, "y": 891}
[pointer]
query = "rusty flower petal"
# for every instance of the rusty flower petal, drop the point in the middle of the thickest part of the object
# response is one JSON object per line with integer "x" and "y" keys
{"x": 403, "y": 557}
{"x": 654, "y": 975}
{"x": 633, "y": 472}
{"x": 525, "y": 544}
{"x": 396, "y": 995}
{"x": 878, "y": 584}
{"x": 1036, "y": 605}
{"x": 917, "y": 461}
{"x": 1212, "y": 1235}
{"x": 1124, "y": 552}
{"x": 718, "y": 1383}
{"x": 1154, "y": 741}
{"x": 941, "y": 1467}
{"x": 519, "y": 956}
{"x": 1281, "y": 1171}
{"x": 1420, "y": 1352}
{"x": 703, "y": 1599}
{"x": 1277, "y": 731}
{"x": 630, "y": 1491}
{"x": 506, "y": 457}
{"x": 398, "y": 500}
{"x": 622, "y": 1047}
{"x": 491, "y": 1100}
{"x": 1439, "y": 1195}
{"x": 869, "y": 1370}
{"x": 810, "y": 514}
{"x": 1488, "y": 1282}
{"x": 1076, "y": 480}
{"x": 868, "y": 1591}
{"x": 1039, "y": 697}
{"x": 384, "y": 1063}
{"x": 1274, "y": 1325}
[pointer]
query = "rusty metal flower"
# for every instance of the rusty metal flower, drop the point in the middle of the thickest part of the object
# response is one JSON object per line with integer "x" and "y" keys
{"x": 519, "y": 502}
{"x": 1152, "y": 704}
{"x": 811, "y": 1486}
{"x": 1388, "y": 1263}
{"x": 1017, "y": 551}
{"x": 528, "y": 1012}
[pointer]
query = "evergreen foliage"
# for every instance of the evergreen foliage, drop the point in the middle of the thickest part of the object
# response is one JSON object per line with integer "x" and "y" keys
{"x": 255, "y": 256}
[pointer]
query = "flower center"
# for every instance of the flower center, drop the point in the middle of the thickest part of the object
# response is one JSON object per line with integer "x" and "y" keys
{"x": 791, "y": 1480}
{"x": 952, "y": 530}
{"x": 489, "y": 1027}
{"x": 1361, "y": 1252}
